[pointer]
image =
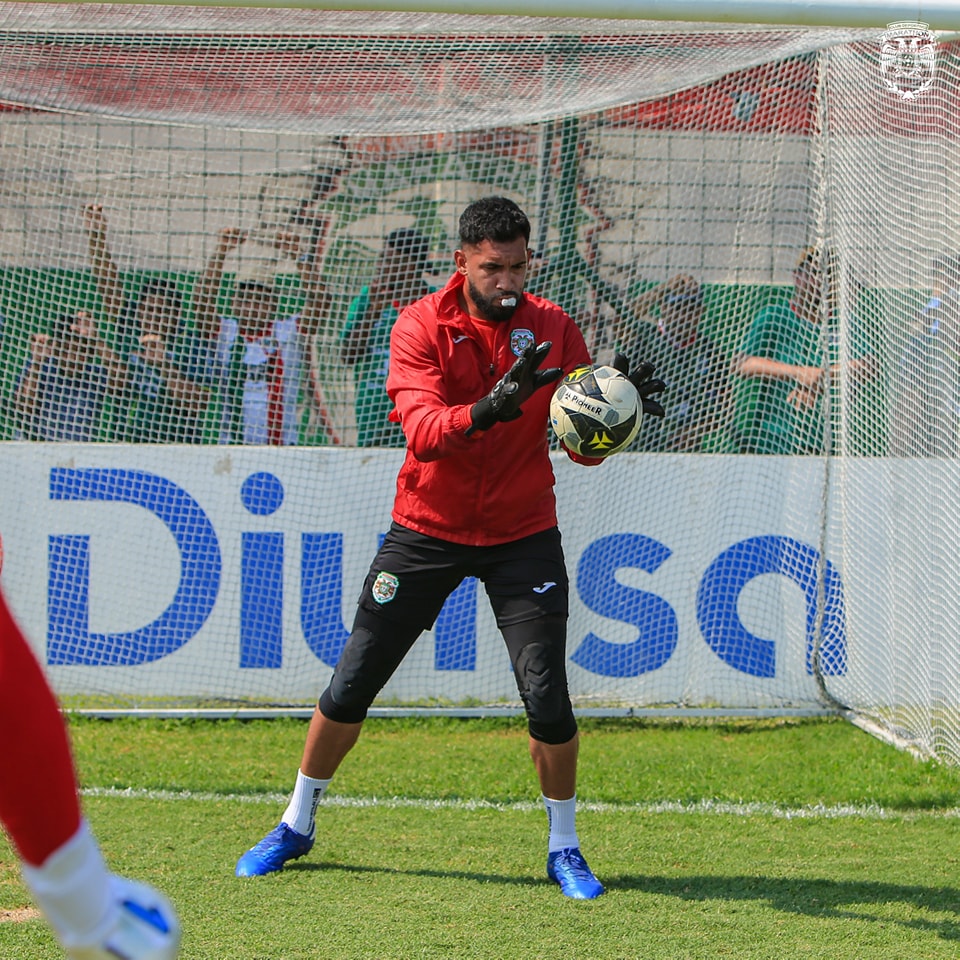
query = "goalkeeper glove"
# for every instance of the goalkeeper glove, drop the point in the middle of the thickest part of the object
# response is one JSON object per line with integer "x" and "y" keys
{"x": 513, "y": 389}
{"x": 641, "y": 379}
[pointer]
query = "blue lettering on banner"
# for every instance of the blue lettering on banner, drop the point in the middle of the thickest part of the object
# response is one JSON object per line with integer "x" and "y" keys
{"x": 455, "y": 636}
{"x": 653, "y": 617}
{"x": 261, "y": 577}
{"x": 69, "y": 640}
{"x": 726, "y": 577}
{"x": 321, "y": 595}
{"x": 321, "y": 600}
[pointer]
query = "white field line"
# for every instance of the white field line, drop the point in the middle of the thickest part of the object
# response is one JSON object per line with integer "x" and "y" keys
{"x": 701, "y": 807}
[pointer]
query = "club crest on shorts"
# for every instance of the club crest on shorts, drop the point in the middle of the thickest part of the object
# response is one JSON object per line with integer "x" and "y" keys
{"x": 908, "y": 55}
{"x": 520, "y": 339}
{"x": 385, "y": 587}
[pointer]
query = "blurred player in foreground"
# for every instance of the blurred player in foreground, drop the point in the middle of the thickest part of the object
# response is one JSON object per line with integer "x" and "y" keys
{"x": 95, "y": 914}
{"x": 474, "y": 498}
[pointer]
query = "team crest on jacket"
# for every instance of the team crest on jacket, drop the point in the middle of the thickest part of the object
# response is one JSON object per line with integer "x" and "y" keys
{"x": 385, "y": 587}
{"x": 520, "y": 339}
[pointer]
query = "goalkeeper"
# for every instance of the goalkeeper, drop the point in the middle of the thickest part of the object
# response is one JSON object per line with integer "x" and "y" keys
{"x": 474, "y": 498}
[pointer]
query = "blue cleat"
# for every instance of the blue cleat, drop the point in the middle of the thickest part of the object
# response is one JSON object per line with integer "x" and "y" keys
{"x": 273, "y": 851}
{"x": 568, "y": 868}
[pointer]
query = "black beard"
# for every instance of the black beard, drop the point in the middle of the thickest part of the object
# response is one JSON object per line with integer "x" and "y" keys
{"x": 490, "y": 309}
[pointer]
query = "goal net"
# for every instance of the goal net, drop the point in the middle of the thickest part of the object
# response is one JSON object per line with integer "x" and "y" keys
{"x": 209, "y": 219}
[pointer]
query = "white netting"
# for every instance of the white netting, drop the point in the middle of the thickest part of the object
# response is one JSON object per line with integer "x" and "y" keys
{"x": 776, "y": 543}
{"x": 325, "y": 72}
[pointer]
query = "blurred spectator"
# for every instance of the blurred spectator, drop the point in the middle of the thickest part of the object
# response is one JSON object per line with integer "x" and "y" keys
{"x": 685, "y": 359}
{"x": 61, "y": 391}
{"x": 164, "y": 395}
{"x": 325, "y": 415}
{"x": 925, "y": 413}
{"x": 365, "y": 342}
{"x": 259, "y": 357}
{"x": 944, "y": 283}
{"x": 788, "y": 353}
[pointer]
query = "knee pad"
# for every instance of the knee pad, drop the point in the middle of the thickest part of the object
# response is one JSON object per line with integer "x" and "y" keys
{"x": 550, "y": 716}
{"x": 352, "y": 687}
{"x": 342, "y": 713}
{"x": 373, "y": 651}
{"x": 538, "y": 653}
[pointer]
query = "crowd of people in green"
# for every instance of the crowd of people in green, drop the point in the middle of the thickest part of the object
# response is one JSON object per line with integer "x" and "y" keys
{"x": 245, "y": 371}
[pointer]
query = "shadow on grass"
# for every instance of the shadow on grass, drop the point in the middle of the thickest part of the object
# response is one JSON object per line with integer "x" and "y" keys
{"x": 512, "y": 879}
{"x": 840, "y": 899}
{"x": 847, "y": 899}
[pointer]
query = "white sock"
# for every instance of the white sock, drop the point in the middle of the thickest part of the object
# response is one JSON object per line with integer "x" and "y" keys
{"x": 72, "y": 889}
{"x": 302, "y": 807}
{"x": 562, "y": 817}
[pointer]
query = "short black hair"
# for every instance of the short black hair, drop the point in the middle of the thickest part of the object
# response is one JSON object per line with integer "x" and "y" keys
{"x": 261, "y": 286}
{"x": 493, "y": 218}
{"x": 162, "y": 287}
{"x": 411, "y": 242}
{"x": 61, "y": 327}
{"x": 818, "y": 260}
{"x": 809, "y": 259}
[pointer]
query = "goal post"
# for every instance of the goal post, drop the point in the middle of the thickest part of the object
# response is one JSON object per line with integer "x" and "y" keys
{"x": 839, "y": 13}
{"x": 196, "y": 207}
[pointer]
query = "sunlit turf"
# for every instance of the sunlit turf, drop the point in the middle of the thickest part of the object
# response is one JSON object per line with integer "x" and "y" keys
{"x": 772, "y": 839}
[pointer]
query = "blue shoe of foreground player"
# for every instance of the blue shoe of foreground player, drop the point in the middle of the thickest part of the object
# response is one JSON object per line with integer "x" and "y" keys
{"x": 568, "y": 868}
{"x": 273, "y": 851}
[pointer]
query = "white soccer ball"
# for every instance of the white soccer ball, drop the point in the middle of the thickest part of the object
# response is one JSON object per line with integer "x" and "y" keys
{"x": 595, "y": 411}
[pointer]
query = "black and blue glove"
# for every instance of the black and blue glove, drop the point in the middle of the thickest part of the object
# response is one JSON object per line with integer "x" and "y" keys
{"x": 513, "y": 389}
{"x": 642, "y": 379}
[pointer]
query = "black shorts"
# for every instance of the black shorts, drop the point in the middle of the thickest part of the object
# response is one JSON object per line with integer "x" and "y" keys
{"x": 413, "y": 574}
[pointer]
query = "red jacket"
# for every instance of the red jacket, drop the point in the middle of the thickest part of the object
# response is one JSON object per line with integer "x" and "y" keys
{"x": 494, "y": 486}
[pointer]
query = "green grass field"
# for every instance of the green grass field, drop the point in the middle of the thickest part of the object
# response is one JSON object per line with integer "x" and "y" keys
{"x": 765, "y": 839}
